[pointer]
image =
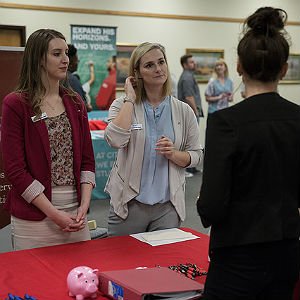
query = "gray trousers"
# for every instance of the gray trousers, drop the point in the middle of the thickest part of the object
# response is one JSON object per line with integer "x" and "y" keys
{"x": 143, "y": 218}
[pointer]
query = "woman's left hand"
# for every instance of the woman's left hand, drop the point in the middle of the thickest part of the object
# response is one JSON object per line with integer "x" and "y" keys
{"x": 165, "y": 147}
{"x": 81, "y": 213}
{"x": 79, "y": 221}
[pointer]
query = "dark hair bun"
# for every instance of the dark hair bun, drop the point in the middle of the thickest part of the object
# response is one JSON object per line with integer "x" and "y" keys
{"x": 267, "y": 21}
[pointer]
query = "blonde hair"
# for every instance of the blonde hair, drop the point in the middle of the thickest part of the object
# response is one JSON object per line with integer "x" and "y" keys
{"x": 219, "y": 62}
{"x": 134, "y": 71}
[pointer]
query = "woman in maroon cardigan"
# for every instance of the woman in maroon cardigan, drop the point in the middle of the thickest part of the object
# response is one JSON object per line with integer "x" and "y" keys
{"x": 47, "y": 150}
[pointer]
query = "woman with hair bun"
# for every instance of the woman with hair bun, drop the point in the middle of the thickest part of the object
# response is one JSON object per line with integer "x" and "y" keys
{"x": 253, "y": 156}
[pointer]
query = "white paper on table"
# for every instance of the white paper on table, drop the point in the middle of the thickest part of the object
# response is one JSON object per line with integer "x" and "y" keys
{"x": 163, "y": 237}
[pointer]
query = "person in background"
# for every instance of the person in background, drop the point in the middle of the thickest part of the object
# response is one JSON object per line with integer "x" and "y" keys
{"x": 157, "y": 137}
{"x": 87, "y": 85}
{"x": 51, "y": 167}
{"x": 242, "y": 90}
{"x": 250, "y": 192}
{"x": 188, "y": 92}
{"x": 107, "y": 92}
{"x": 73, "y": 79}
{"x": 219, "y": 91}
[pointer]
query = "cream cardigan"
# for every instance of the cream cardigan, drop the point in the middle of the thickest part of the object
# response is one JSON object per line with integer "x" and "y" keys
{"x": 124, "y": 181}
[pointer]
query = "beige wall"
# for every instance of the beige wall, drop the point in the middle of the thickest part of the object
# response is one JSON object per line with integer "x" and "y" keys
{"x": 176, "y": 35}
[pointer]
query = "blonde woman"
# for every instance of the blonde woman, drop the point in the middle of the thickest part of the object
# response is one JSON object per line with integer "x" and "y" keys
{"x": 157, "y": 136}
{"x": 219, "y": 90}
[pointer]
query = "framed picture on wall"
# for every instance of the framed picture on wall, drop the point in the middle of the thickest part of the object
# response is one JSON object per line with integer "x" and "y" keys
{"x": 205, "y": 61}
{"x": 123, "y": 56}
{"x": 293, "y": 72}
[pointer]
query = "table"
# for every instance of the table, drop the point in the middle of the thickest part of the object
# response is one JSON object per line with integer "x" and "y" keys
{"x": 42, "y": 272}
{"x": 104, "y": 160}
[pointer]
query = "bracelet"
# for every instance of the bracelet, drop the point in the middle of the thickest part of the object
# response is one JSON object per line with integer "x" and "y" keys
{"x": 126, "y": 99}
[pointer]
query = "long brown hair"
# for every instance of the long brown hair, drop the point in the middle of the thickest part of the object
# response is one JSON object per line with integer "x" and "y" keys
{"x": 134, "y": 65}
{"x": 30, "y": 81}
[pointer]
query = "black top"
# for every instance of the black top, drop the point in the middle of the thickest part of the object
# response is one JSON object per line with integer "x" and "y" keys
{"x": 251, "y": 180}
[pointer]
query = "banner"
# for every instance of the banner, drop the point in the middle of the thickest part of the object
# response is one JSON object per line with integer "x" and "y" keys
{"x": 95, "y": 45}
{"x": 10, "y": 61}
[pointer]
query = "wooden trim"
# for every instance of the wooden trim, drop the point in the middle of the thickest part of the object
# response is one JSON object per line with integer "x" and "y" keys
{"x": 127, "y": 45}
{"x": 203, "y": 50}
{"x": 125, "y": 13}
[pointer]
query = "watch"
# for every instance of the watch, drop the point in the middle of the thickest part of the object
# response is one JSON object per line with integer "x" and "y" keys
{"x": 127, "y": 99}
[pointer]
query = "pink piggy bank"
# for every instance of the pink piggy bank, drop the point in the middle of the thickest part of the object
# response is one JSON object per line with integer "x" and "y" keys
{"x": 83, "y": 282}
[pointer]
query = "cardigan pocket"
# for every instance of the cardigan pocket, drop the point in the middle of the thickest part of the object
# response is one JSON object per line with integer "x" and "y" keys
{"x": 115, "y": 184}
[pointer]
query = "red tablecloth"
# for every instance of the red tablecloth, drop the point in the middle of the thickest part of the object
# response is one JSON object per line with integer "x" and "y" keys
{"x": 42, "y": 272}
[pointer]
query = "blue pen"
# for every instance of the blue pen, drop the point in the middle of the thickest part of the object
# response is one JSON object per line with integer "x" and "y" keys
{"x": 27, "y": 297}
{"x": 11, "y": 297}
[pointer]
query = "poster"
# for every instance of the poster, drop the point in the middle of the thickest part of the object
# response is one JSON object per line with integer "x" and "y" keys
{"x": 10, "y": 60}
{"x": 95, "y": 44}
{"x": 104, "y": 160}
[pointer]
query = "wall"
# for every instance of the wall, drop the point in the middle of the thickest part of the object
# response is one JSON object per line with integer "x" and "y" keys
{"x": 212, "y": 24}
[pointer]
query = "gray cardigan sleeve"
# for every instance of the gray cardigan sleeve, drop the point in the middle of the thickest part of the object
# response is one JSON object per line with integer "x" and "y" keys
{"x": 115, "y": 136}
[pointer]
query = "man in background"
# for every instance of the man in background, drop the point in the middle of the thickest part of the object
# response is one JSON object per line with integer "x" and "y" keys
{"x": 107, "y": 92}
{"x": 73, "y": 77}
{"x": 188, "y": 91}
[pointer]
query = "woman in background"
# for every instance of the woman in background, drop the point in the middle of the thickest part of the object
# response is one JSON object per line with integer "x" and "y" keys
{"x": 158, "y": 137}
{"x": 250, "y": 192}
{"x": 219, "y": 90}
{"x": 47, "y": 154}
{"x": 88, "y": 84}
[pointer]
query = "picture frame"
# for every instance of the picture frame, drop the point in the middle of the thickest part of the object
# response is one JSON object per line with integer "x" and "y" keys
{"x": 293, "y": 72}
{"x": 205, "y": 62}
{"x": 123, "y": 57}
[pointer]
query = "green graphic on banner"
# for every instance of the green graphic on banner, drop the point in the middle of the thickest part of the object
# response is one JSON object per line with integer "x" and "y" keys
{"x": 95, "y": 44}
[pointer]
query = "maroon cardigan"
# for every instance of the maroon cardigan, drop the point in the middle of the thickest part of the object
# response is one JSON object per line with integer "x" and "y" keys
{"x": 26, "y": 151}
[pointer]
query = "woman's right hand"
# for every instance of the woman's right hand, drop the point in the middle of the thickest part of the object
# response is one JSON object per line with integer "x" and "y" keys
{"x": 66, "y": 221}
{"x": 222, "y": 96}
{"x": 129, "y": 86}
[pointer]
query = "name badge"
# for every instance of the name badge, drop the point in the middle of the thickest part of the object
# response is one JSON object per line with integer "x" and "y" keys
{"x": 136, "y": 126}
{"x": 39, "y": 118}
